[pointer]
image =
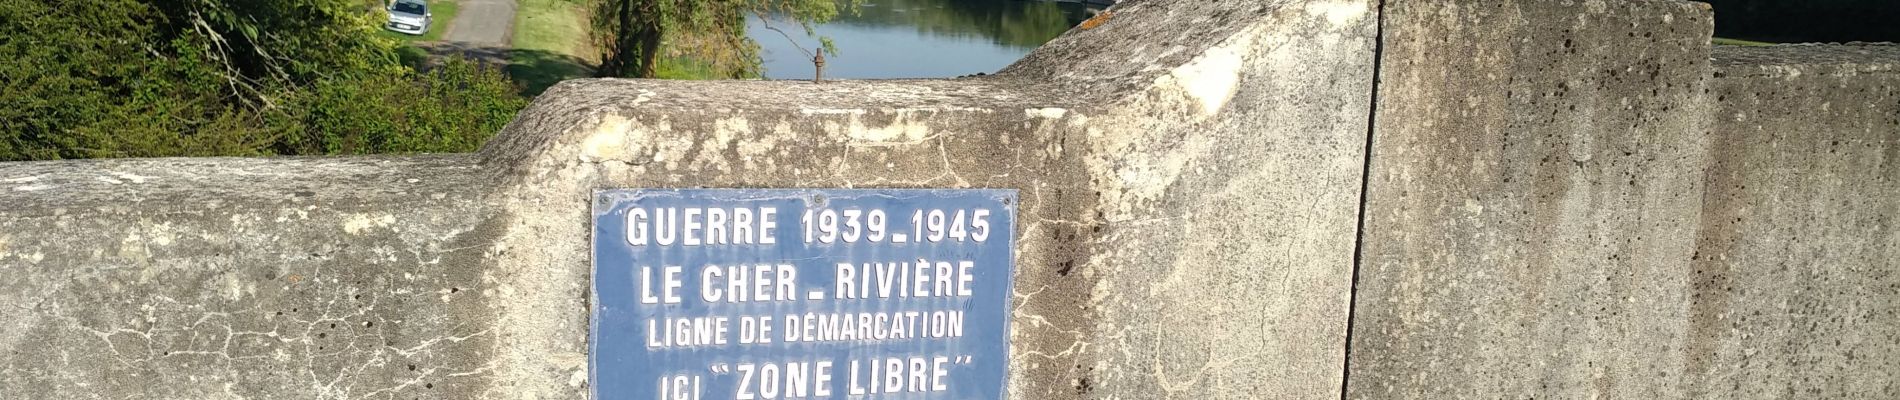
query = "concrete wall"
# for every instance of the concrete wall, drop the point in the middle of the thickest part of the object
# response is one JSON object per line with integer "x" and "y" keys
{"x": 587, "y": 135}
{"x": 1583, "y": 200}
{"x": 1560, "y": 200}
{"x": 465, "y": 276}
{"x": 226, "y": 278}
{"x": 1218, "y": 259}
{"x": 1532, "y": 200}
{"x": 1795, "y": 282}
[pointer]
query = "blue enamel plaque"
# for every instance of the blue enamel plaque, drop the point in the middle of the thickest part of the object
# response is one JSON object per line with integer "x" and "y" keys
{"x": 742, "y": 294}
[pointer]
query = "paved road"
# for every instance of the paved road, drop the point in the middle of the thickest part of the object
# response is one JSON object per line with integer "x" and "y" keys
{"x": 483, "y": 23}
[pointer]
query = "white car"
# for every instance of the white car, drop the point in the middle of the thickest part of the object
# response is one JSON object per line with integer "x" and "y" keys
{"x": 409, "y": 16}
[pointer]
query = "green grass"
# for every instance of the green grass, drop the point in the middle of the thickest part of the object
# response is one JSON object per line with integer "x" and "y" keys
{"x": 550, "y": 45}
{"x": 444, "y": 12}
{"x": 1739, "y": 42}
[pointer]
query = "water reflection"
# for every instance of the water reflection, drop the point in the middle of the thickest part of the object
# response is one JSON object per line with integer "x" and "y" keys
{"x": 921, "y": 38}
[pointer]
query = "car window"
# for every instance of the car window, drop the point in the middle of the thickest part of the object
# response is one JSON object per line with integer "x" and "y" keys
{"x": 407, "y": 7}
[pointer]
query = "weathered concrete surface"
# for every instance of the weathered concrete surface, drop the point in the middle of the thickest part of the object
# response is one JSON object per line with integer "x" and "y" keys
{"x": 1796, "y": 276}
{"x": 1569, "y": 200}
{"x": 1533, "y": 199}
{"x": 1232, "y": 136}
{"x": 587, "y": 135}
{"x": 229, "y": 278}
{"x": 1187, "y": 212}
{"x": 1565, "y": 200}
{"x": 1229, "y": 184}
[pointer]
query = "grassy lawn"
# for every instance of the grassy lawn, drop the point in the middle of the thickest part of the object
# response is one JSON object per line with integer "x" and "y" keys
{"x": 444, "y": 12}
{"x": 550, "y": 44}
{"x": 1739, "y": 42}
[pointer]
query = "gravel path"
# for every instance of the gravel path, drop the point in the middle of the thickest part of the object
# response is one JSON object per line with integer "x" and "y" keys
{"x": 483, "y": 23}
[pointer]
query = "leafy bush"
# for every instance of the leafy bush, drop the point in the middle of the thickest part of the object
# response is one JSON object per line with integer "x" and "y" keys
{"x": 151, "y": 78}
{"x": 451, "y": 108}
{"x": 106, "y": 79}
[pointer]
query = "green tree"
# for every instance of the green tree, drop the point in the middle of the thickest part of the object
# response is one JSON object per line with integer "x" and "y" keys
{"x": 147, "y": 78}
{"x": 638, "y": 37}
{"x": 113, "y": 78}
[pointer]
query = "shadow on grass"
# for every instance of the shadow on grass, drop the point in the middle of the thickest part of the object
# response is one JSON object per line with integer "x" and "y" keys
{"x": 436, "y": 51}
{"x": 536, "y": 70}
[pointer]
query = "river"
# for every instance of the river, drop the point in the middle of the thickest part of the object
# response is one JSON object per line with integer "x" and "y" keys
{"x": 918, "y": 38}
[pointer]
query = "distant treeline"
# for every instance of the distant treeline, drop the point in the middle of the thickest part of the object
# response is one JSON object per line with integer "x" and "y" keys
{"x": 1792, "y": 21}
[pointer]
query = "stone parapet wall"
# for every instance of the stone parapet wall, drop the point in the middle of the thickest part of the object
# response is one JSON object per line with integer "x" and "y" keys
{"x": 1268, "y": 199}
{"x": 222, "y": 278}
{"x": 1532, "y": 200}
{"x": 1794, "y": 284}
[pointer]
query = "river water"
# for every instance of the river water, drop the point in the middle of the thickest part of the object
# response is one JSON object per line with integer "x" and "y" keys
{"x": 918, "y": 38}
